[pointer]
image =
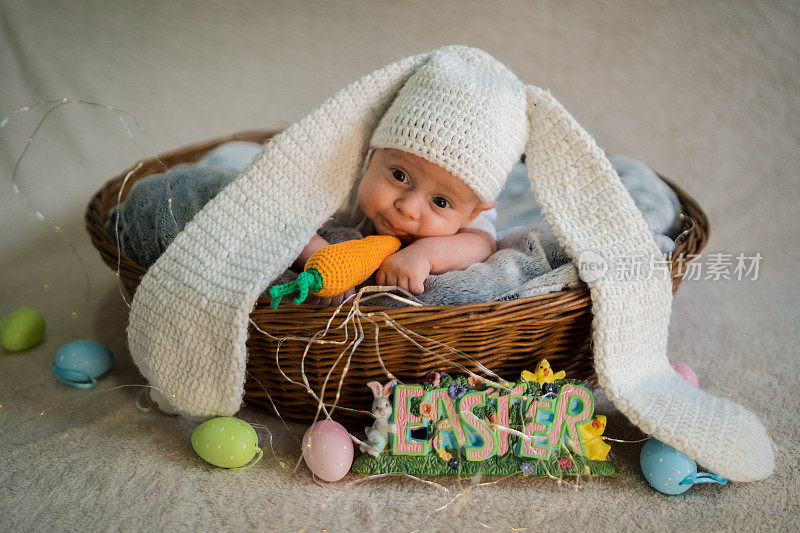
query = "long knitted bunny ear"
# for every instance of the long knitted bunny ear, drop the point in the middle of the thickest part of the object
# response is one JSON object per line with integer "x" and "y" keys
{"x": 593, "y": 216}
{"x": 189, "y": 317}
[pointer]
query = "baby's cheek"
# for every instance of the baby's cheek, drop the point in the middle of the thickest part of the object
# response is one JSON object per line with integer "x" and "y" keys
{"x": 444, "y": 226}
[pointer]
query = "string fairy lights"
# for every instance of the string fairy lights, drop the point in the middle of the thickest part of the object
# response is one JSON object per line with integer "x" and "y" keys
{"x": 352, "y": 324}
{"x": 123, "y": 115}
{"x": 353, "y": 318}
{"x": 456, "y": 501}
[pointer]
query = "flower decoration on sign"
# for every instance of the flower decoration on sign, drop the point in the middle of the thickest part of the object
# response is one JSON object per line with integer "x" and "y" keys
{"x": 432, "y": 378}
{"x": 426, "y": 410}
{"x": 456, "y": 391}
{"x": 549, "y": 390}
{"x": 475, "y": 383}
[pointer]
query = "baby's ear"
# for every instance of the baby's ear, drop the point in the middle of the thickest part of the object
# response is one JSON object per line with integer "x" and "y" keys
{"x": 480, "y": 208}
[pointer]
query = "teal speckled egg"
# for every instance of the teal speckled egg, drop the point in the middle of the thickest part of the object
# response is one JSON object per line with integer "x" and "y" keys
{"x": 670, "y": 471}
{"x": 21, "y": 330}
{"x": 80, "y": 363}
{"x": 227, "y": 442}
{"x": 664, "y": 467}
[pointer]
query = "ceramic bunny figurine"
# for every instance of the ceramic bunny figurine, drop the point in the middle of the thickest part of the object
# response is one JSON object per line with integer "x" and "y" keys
{"x": 378, "y": 434}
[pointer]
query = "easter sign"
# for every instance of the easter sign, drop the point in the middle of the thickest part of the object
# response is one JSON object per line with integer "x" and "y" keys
{"x": 543, "y": 424}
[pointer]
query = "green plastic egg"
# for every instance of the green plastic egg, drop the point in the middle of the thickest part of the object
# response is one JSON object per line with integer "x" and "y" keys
{"x": 22, "y": 329}
{"x": 227, "y": 442}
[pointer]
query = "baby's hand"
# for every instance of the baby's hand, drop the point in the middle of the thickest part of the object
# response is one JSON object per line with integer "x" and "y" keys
{"x": 334, "y": 301}
{"x": 407, "y": 268}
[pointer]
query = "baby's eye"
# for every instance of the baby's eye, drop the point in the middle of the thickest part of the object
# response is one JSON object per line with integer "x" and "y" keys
{"x": 399, "y": 175}
{"x": 441, "y": 202}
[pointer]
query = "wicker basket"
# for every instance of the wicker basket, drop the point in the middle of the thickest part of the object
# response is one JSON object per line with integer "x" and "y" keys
{"x": 503, "y": 336}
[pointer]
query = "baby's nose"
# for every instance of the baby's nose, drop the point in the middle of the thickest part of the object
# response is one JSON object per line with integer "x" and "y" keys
{"x": 409, "y": 206}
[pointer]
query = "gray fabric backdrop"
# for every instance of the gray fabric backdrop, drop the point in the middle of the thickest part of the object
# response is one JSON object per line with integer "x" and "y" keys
{"x": 706, "y": 93}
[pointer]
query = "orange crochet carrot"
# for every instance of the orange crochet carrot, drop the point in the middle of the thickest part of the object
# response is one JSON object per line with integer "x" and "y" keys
{"x": 332, "y": 270}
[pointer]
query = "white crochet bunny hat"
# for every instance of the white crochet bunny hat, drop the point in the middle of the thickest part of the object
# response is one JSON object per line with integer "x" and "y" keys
{"x": 462, "y": 109}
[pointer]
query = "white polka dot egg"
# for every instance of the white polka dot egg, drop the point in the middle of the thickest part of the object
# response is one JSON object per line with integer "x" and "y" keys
{"x": 227, "y": 442}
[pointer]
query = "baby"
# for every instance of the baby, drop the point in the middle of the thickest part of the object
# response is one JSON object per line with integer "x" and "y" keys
{"x": 432, "y": 212}
{"x": 441, "y": 153}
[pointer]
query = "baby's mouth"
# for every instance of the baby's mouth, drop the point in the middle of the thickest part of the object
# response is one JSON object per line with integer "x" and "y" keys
{"x": 397, "y": 231}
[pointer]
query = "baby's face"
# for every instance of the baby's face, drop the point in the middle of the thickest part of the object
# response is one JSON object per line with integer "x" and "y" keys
{"x": 410, "y": 197}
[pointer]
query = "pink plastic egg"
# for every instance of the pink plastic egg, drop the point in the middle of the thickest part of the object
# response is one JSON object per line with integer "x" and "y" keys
{"x": 686, "y": 372}
{"x": 328, "y": 450}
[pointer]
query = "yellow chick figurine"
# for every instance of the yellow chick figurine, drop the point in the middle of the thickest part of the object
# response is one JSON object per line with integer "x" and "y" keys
{"x": 596, "y": 448}
{"x": 543, "y": 374}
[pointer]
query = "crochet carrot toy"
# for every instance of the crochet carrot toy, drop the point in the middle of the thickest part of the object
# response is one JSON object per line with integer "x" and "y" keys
{"x": 332, "y": 270}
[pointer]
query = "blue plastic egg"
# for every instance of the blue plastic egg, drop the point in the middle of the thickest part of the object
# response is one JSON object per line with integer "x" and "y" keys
{"x": 670, "y": 471}
{"x": 80, "y": 363}
{"x": 664, "y": 467}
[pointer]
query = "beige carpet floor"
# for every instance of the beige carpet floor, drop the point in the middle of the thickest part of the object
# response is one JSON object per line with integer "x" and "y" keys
{"x": 705, "y": 92}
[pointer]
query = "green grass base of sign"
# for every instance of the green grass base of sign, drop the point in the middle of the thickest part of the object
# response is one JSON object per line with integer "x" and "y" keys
{"x": 507, "y": 465}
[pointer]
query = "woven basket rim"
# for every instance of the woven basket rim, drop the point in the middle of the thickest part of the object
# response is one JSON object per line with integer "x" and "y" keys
{"x": 499, "y": 334}
{"x": 150, "y": 167}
